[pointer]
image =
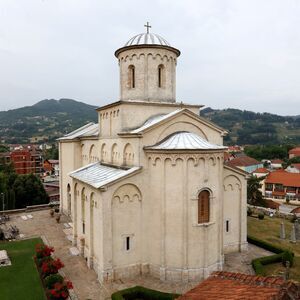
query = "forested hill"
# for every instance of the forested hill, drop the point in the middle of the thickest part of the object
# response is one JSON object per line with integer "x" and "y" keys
{"x": 44, "y": 121}
{"x": 50, "y": 119}
{"x": 246, "y": 127}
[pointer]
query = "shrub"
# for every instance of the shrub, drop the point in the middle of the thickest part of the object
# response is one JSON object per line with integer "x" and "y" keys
{"x": 51, "y": 267}
{"x": 42, "y": 250}
{"x": 261, "y": 216}
{"x": 52, "y": 279}
{"x": 265, "y": 245}
{"x": 258, "y": 263}
{"x": 249, "y": 211}
{"x": 140, "y": 292}
{"x": 60, "y": 290}
{"x": 282, "y": 255}
{"x": 288, "y": 256}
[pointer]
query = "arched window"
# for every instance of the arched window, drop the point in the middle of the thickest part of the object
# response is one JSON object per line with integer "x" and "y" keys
{"x": 131, "y": 77}
{"x": 203, "y": 207}
{"x": 161, "y": 75}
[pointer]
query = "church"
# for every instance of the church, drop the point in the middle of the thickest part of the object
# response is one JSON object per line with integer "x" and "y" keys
{"x": 146, "y": 187}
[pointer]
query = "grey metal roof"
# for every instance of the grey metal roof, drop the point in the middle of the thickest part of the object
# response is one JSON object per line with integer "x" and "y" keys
{"x": 99, "y": 175}
{"x": 90, "y": 129}
{"x": 147, "y": 39}
{"x": 185, "y": 141}
{"x": 154, "y": 120}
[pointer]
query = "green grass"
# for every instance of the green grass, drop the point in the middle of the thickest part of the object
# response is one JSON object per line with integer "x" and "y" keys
{"x": 20, "y": 280}
{"x": 268, "y": 230}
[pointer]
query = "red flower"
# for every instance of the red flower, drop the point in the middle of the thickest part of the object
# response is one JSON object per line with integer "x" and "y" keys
{"x": 60, "y": 290}
{"x": 51, "y": 266}
{"x": 43, "y": 250}
{"x": 69, "y": 285}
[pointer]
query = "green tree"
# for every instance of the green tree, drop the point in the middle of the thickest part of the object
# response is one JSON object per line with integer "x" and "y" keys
{"x": 254, "y": 194}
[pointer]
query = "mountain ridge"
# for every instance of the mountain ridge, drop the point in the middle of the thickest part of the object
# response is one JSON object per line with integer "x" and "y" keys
{"x": 44, "y": 121}
{"x": 49, "y": 119}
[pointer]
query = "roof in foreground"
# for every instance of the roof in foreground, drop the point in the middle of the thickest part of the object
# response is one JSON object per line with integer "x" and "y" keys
{"x": 184, "y": 140}
{"x": 233, "y": 286}
{"x": 88, "y": 130}
{"x": 99, "y": 175}
{"x": 284, "y": 178}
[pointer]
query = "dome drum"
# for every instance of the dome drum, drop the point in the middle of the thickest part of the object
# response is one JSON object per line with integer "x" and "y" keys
{"x": 147, "y": 69}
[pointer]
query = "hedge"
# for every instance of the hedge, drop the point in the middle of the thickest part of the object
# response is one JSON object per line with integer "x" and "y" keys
{"x": 139, "y": 292}
{"x": 264, "y": 245}
{"x": 281, "y": 256}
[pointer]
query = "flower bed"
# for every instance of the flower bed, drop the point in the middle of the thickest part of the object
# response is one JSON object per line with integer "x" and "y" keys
{"x": 57, "y": 287}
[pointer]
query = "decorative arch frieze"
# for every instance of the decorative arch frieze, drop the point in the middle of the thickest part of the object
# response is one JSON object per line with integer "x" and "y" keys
{"x": 138, "y": 56}
{"x": 127, "y": 193}
{"x": 207, "y": 159}
{"x": 232, "y": 182}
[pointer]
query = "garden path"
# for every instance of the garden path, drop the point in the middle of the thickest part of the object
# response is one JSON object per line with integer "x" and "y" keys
{"x": 86, "y": 285}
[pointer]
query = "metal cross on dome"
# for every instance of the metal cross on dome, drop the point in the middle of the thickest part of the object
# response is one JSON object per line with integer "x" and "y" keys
{"x": 147, "y": 26}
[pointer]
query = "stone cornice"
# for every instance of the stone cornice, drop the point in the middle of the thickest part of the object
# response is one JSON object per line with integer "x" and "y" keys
{"x": 148, "y": 103}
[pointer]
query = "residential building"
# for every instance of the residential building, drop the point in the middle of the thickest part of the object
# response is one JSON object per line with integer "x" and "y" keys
{"x": 261, "y": 172}
{"x": 25, "y": 161}
{"x": 295, "y": 152}
{"x": 293, "y": 168}
{"x": 276, "y": 164}
{"x": 282, "y": 185}
{"x": 51, "y": 166}
{"x": 245, "y": 163}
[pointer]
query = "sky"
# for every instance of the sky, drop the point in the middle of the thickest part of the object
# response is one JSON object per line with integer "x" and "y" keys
{"x": 241, "y": 54}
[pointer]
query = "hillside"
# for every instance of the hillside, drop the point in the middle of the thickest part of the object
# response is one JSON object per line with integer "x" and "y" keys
{"x": 44, "y": 121}
{"x": 50, "y": 119}
{"x": 246, "y": 127}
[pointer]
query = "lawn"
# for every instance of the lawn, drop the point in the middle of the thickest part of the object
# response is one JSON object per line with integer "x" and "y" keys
{"x": 268, "y": 230}
{"x": 20, "y": 280}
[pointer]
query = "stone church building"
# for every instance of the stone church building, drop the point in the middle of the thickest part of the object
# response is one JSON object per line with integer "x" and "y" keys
{"x": 146, "y": 187}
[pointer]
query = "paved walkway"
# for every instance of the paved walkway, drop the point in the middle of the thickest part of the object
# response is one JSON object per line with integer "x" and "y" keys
{"x": 86, "y": 285}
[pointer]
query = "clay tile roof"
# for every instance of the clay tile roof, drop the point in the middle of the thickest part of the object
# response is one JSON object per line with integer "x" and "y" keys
{"x": 243, "y": 161}
{"x": 276, "y": 161}
{"x": 284, "y": 178}
{"x": 296, "y": 210}
{"x": 231, "y": 286}
{"x": 272, "y": 204}
{"x": 261, "y": 170}
{"x": 295, "y": 150}
{"x": 297, "y": 166}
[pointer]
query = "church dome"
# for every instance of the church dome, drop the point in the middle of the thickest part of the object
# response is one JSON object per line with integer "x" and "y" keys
{"x": 147, "y": 39}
